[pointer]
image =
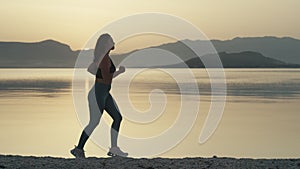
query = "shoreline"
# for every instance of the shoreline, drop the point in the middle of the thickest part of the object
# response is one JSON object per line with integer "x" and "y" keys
{"x": 17, "y": 161}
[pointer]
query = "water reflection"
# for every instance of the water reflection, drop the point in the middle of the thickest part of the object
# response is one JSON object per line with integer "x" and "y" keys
{"x": 273, "y": 85}
{"x": 248, "y": 90}
{"x": 37, "y": 106}
{"x": 34, "y": 88}
{"x": 52, "y": 88}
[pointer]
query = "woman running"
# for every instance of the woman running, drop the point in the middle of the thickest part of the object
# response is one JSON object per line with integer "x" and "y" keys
{"x": 100, "y": 99}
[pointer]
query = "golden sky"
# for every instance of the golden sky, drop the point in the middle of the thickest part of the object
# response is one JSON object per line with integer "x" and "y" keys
{"x": 75, "y": 21}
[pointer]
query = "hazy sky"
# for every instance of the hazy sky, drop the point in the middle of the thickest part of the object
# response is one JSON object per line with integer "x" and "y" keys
{"x": 74, "y": 21}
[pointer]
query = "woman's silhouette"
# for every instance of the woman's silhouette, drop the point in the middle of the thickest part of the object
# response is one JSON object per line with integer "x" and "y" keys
{"x": 100, "y": 99}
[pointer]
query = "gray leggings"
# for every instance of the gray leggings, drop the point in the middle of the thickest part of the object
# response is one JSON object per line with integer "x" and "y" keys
{"x": 100, "y": 99}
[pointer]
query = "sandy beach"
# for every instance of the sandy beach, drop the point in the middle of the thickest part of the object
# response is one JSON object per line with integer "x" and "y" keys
{"x": 14, "y": 161}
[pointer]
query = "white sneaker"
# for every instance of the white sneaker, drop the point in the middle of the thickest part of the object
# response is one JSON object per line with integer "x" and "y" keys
{"x": 116, "y": 151}
{"x": 77, "y": 152}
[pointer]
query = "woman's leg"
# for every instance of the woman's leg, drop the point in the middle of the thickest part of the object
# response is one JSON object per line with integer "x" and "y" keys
{"x": 112, "y": 109}
{"x": 96, "y": 99}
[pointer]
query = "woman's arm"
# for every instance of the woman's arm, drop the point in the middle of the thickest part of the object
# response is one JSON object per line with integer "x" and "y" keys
{"x": 120, "y": 71}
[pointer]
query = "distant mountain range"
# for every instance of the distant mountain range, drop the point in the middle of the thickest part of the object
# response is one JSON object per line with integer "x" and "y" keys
{"x": 245, "y": 59}
{"x": 47, "y": 53}
{"x": 258, "y": 52}
{"x": 284, "y": 49}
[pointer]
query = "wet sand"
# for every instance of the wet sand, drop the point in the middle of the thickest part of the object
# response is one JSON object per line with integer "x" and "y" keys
{"x": 12, "y": 161}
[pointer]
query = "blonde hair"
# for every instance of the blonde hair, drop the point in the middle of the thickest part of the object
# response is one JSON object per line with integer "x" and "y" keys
{"x": 104, "y": 44}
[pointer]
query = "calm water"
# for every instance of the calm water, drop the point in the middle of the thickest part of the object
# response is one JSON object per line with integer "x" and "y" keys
{"x": 261, "y": 116}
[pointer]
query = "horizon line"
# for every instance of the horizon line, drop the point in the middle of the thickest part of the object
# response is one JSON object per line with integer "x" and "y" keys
{"x": 222, "y": 40}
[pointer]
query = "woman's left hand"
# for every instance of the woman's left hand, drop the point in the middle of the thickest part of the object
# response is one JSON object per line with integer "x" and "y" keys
{"x": 120, "y": 71}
